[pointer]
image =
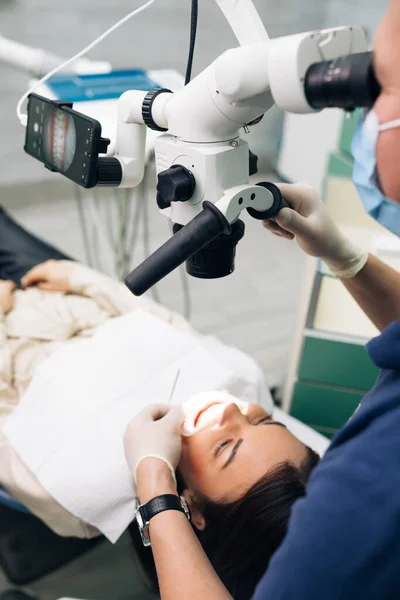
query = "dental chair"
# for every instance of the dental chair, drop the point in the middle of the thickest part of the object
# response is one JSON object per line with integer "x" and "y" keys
{"x": 29, "y": 550}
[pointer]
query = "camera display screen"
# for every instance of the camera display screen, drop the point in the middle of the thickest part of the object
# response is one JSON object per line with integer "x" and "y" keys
{"x": 59, "y": 139}
{"x": 63, "y": 139}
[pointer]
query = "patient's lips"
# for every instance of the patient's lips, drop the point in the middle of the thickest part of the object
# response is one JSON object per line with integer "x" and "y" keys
{"x": 209, "y": 414}
{"x": 206, "y": 409}
{"x": 201, "y": 412}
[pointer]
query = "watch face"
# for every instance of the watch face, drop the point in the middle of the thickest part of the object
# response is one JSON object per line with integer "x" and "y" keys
{"x": 143, "y": 516}
{"x": 185, "y": 507}
{"x": 143, "y": 528}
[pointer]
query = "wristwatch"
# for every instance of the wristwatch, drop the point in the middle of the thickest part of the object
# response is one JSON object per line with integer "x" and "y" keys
{"x": 145, "y": 512}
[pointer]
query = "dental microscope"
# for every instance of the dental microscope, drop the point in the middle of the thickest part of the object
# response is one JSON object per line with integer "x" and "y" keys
{"x": 202, "y": 160}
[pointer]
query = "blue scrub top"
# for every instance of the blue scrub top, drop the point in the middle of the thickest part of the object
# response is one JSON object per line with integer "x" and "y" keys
{"x": 343, "y": 539}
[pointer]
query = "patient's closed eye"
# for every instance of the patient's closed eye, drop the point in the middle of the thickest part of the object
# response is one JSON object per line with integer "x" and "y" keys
{"x": 266, "y": 419}
{"x": 269, "y": 421}
{"x": 233, "y": 453}
{"x": 221, "y": 446}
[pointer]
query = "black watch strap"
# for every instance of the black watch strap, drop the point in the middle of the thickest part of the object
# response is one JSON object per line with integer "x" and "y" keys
{"x": 159, "y": 504}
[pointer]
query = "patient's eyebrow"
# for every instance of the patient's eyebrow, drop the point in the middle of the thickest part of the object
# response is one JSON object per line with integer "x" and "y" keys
{"x": 233, "y": 453}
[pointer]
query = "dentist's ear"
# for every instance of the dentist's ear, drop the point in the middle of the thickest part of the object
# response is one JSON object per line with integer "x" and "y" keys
{"x": 197, "y": 517}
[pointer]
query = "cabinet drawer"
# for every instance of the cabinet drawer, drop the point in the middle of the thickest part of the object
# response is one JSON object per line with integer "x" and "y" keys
{"x": 337, "y": 363}
{"x": 321, "y": 406}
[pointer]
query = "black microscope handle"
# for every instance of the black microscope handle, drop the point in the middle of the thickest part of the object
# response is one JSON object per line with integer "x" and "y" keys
{"x": 278, "y": 204}
{"x": 199, "y": 232}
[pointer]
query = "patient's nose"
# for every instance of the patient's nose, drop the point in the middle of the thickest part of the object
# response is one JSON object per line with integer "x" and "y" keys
{"x": 231, "y": 415}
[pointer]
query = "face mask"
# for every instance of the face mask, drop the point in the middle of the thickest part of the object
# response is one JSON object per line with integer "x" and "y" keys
{"x": 382, "y": 209}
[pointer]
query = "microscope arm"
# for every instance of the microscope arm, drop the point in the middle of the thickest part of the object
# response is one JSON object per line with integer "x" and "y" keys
{"x": 130, "y": 145}
{"x": 244, "y": 20}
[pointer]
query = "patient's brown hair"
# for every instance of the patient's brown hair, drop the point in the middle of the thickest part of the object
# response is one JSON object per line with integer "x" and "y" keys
{"x": 241, "y": 537}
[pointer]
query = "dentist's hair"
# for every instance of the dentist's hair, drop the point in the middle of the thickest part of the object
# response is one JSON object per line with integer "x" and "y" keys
{"x": 241, "y": 537}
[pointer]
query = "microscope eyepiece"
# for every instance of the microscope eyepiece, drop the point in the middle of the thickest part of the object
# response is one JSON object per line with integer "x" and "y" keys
{"x": 347, "y": 82}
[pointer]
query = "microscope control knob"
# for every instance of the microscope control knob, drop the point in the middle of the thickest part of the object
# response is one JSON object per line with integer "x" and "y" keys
{"x": 176, "y": 184}
{"x": 109, "y": 171}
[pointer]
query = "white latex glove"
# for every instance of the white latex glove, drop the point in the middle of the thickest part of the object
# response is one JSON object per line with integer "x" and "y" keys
{"x": 309, "y": 222}
{"x": 155, "y": 433}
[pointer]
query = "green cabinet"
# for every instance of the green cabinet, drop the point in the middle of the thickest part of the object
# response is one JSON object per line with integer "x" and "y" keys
{"x": 326, "y": 408}
{"x": 329, "y": 370}
{"x": 332, "y": 377}
{"x": 337, "y": 363}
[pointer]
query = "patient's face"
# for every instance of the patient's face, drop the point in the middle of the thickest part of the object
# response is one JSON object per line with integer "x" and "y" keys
{"x": 234, "y": 449}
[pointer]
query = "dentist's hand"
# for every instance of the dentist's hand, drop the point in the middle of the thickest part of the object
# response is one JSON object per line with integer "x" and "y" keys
{"x": 309, "y": 222}
{"x": 154, "y": 433}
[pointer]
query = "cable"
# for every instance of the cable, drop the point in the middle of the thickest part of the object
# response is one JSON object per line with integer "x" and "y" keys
{"x": 124, "y": 256}
{"x": 23, "y": 118}
{"x": 146, "y": 244}
{"x": 136, "y": 219}
{"x": 83, "y": 225}
{"x": 187, "y": 300}
{"x": 193, "y": 32}
{"x": 130, "y": 205}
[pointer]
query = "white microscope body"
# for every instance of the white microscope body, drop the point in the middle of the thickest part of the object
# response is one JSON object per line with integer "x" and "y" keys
{"x": 203, "y": 119}
{"x": 200, "y": 157}
{"x": 202, "y": 163}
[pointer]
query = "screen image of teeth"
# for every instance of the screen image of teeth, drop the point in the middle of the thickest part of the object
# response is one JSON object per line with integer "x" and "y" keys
{"x": 59, "y": 138}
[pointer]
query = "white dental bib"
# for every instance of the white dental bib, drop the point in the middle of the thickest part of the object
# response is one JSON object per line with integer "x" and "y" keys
{"x": 69, "y": 430}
